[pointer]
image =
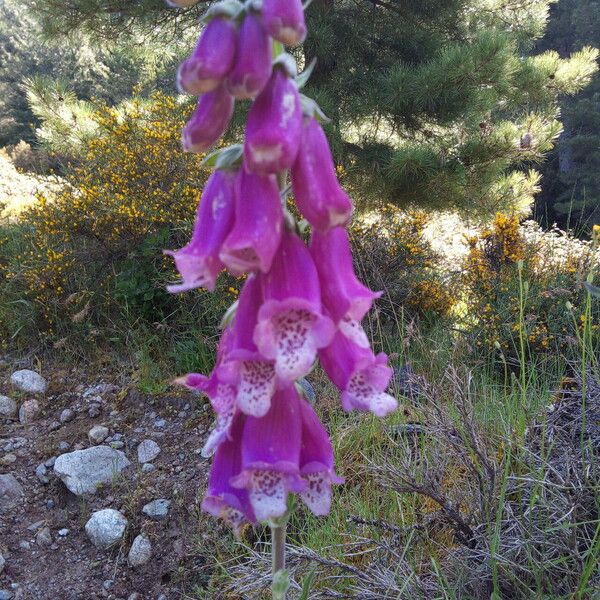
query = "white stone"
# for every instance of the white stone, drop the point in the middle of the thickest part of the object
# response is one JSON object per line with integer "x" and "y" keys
{"x": 147, "y": 451}
{"x": 28, "y": 411}
{"x": 97, "y": 434}
{"x": 29, "y": 381}
{"x": 82, "y": 471}
{"x": 105, "y": 528}
{"x": 140, "y": 552}
{"x": 8, "y": 407}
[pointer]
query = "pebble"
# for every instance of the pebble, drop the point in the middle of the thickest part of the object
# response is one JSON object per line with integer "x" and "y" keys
{"x": 63, "y": 532}
{"x": 29, "y": 381}
{"x": 94, "y": 411}
{"x": 28, "y": 411}
{"x": 160, "y": 423}
{"x": 8, "y": 459}
{"x": 118, "y": 445}
{"x": 147, "y": 451}
{"x": 106, "y": 527}
{"x": 64, "y": 446}
{"x": 43, "y": 537}
{"x": 107, "y": 584}
{"x": 135, "y": 596}
{"x": 54, "y": 425}
{"x": 140, "y": 552}
{"x": 24, "y": 545}
{"x": 5, "y": 595}
{"x": 8, "y": 407}
{"x": 11, "y": 492}
{"x": 40, "y": 472}
{"x": 50, "y": 462}
{"x": 157, "y": 509}
{"x": 148, "y": 468}
{"x": 50, "y": 504}
{"x": 2, "y": 563}
{"x": 66, "y": 415}
{"x": 97, "y": 434}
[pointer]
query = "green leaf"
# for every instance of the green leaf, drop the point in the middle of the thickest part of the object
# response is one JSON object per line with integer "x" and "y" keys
{"x": 281, "y": 584}
{"x": 307, "y": 583}
{"x": 224, "y": 158}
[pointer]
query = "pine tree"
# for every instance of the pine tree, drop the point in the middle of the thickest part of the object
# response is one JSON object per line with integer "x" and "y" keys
{"x": 571, "y": 182}
{"x": 435, "y": 102}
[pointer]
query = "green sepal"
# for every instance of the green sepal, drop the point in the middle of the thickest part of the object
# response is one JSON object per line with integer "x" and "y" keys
{"x": 302, "y": 78}
{"x": 229, "y": 315}
{"x": 224, "y": 158}
{"x": 311, "y": 109}
{"x": 228, "y": 8}
{"x": 287, "y": 62}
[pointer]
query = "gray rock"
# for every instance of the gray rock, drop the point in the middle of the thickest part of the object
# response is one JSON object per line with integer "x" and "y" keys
{"x": 43, "y": 537}
{"x": 148, "y": 468}
{"x": 5, "y": 595}
{"x": 11, "y": 492}
{"x": 157, "y": 509}
{"x": 140, "y": 552}
{"x": 63, "y": 532}
{"x": 107, "y": 584}
{"x": 83, "y": 471}
{"x": 105, "y": 528}
{"x": 94, "y": 411}
{"x": 135, "y": 596}
{"x": 50, "y": 462}
{"x": 8, "y": 407}
{"x": 28, "y": 411}
{"x": 54, "y": 426}
{"x": 41, "y": 472}
{"x": 29, "y": 381}
{"x": 64, "y": 445}
{"x": 147, "y": 451}
{"x": 24, "y": 545}
{"x": 97, "y": 434}
{"x": 8, "y": 459}
{"x": 66, "y": 415}
{"x": 100, "y": 388}
{"x": 2, "y": 563}
{"x": 118, "y": 445}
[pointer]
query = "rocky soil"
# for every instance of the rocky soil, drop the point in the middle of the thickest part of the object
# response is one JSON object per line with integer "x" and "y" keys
{"x": 100, "y": 489}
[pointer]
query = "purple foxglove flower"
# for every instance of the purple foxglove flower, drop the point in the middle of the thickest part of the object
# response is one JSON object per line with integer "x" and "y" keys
{"x": 317, "y": 192}
{"x": 360, "y": 375}
{"x": 316, "y": 462}
{"x": 284, "y": 20}
{"x": 209, "y": 121}
{"x": 343, "y": 295}
{"x": 291, "y": 326}
{"x": 255, "y": 376}
{"x": 222, "y": 500}
{"x": 273, "y": 126}
{"x": 254, "y": 239}
{"x": 198, "y": 262}
{"x": 252, "y": 66}
{"x": 271, "y": 455}
{"x": 219, "y": 389}
{"x": 211, "y": 59}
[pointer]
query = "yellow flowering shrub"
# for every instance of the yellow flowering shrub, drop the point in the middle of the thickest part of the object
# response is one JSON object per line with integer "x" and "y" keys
{"x": 97, "y": 240}
{"x": 394, "y": 255}
{"x": 517, "y": 283}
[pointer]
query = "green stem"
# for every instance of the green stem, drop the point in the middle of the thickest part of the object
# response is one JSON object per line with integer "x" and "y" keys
{"x": 278, "y": 549}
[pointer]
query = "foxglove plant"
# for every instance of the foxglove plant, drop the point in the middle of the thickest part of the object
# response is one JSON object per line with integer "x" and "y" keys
{"x": 298, "y": 302}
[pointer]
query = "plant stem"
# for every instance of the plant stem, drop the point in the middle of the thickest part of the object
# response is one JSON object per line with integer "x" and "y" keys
{"x": 278, "y": 547}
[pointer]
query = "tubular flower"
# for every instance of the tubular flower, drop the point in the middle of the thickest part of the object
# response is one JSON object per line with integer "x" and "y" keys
{"x": 219, "y": 389}
{"x": 317, "y": 192}
{"x": 254, "y": 239}
{"x": 344, "y": 296}
{"x": 254, "y": 376}
{"x": 273, "y": 126}
{"x": 209, "y": 121}
{"x": 252, "y": 65}
{"x": 291, "y": 326}
{"x": 316, "y": 462}
{"x": 211, "y": 59}
{"x": 284, "y": 20}
{"x": 198, "y": 263}
{"x": 222, "y": 499}
{"x": 361, "y": 376}
{"x": 271, "y": 447}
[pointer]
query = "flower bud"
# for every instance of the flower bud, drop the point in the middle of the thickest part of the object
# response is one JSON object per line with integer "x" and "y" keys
{"x": 252, "y": 64}
{"x": 209, "y": 121}
{"x": 273, "y": 127}
{"x": 284, "y": 21}
{"x": 317, "y": 192}
{"x": 211, "y": 59}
